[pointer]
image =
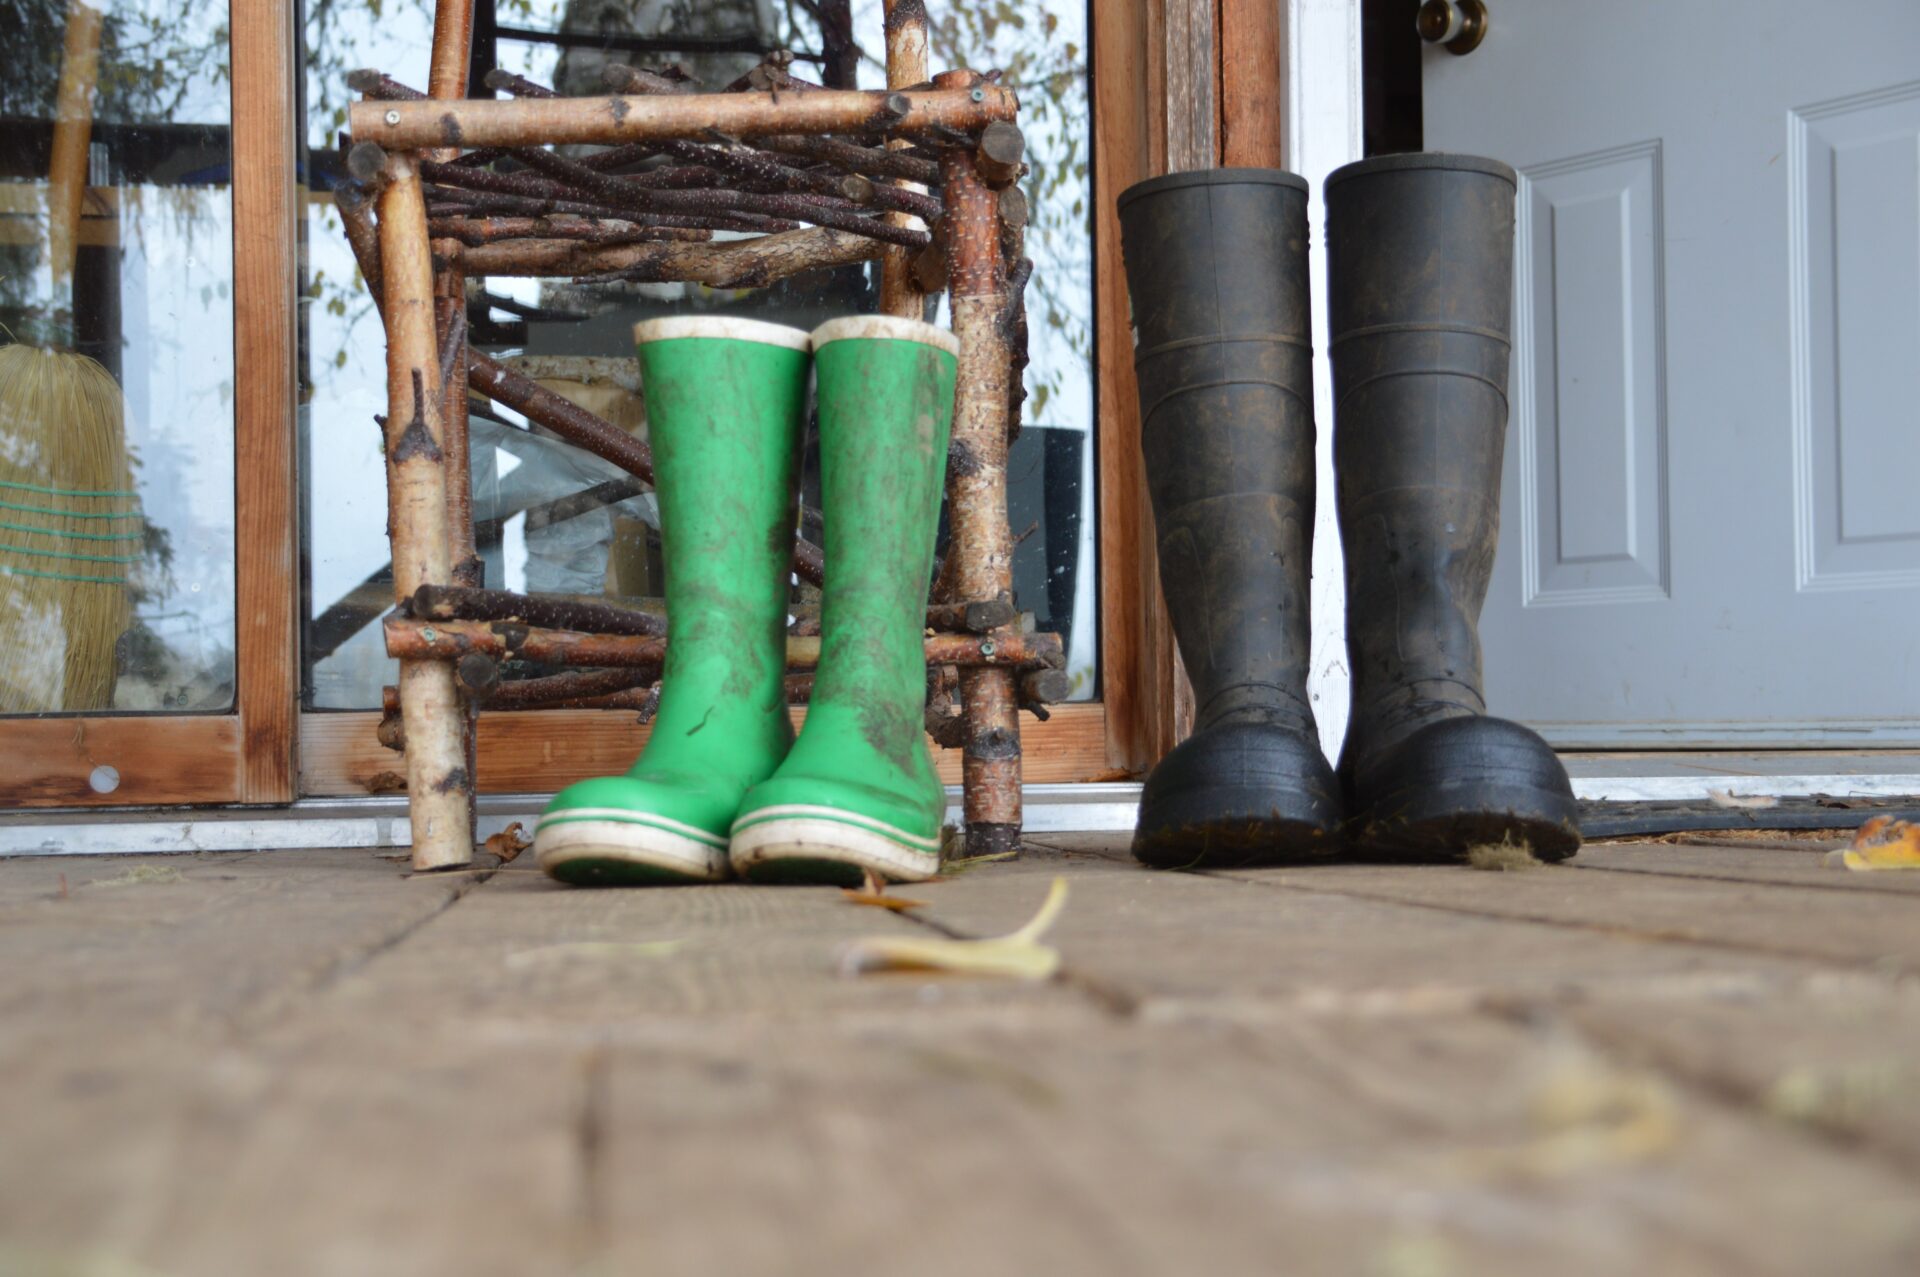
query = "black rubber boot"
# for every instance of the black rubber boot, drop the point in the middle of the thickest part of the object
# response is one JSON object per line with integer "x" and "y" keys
{"x": 1217, "y": 265}
{"x": 1420, "y": 268}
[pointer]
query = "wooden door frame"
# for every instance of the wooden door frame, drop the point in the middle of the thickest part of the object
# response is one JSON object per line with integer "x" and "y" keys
{"x": 247, "y": 755}
{"x": 1180, "y": 85}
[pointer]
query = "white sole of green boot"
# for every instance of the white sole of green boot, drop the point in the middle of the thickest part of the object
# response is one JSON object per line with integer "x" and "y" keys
{"x": 585, "y": 848}
{"x": 825, "y": 844}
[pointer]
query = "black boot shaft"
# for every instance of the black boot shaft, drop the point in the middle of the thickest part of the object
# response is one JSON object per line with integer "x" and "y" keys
{"x": 1420, "y": 264}
{"x": 1217, "y": 267}
{"x": 1420, "y": 269}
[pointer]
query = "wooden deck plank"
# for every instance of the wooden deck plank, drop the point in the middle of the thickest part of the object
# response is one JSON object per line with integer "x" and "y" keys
{"x": 307, "y": 1063}
{"x": 1838, "y": 1055}
{"x": 1178, "y": 941}
{"x": 1783, "y": 865}
{"x": 378, "y": 1152}
{"x": 190, "y": 939}
{"x": 525, "y": 949}
{"x": 1330, "y": 1144}
{"x": 1867, "y": 928}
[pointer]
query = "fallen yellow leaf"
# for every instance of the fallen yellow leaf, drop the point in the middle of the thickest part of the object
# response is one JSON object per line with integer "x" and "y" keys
{"x": 1884, "y": 843}
{"x": 880, "y": 900}
{"x": 1019, "y": 956}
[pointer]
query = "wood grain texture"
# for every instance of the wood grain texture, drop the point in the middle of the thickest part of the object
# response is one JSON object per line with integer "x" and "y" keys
{"x": 298, "y": 1063}
{"x": 1275, "y": 944}
{"x": 1786, "y": 865}
{"x": 1251, "y": 113}
{"x": 265, "y": 215}
{"x": 1335, "y": 1145}
{"x": 98, "y": 946}
{"x": 905, "y": 30}
{"x": 47, "y": 762}
{"x": 1844, "y": 928}
{"x": 1140, "y": 671}
{"x": 536, "y": 122}
{"x": 1192, "y": 99}
{"x": 538, "y": 751}
{"x": 439, "y": 782}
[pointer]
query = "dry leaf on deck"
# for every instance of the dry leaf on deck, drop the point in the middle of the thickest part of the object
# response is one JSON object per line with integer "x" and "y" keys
{"x": 873, "y": 891}
{"x": 1741, "y": 802}
{"x": 509, "y": 842}
{"x": 880, "y": 900}
{"x": 1019, "y": 956}
{"x": 1884, "y": 843}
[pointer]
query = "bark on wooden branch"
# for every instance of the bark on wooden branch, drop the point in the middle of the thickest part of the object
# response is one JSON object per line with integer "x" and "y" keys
{"x": 980, "y": 553}
{"x": 475, "y": 231}
{"x": 839, "y": 55}
{"x": 446, "y": 603}
{"x": 453, "y": 202}
{"x": 508, "y": 640}
{"x": 621, "y": 78}
{"x": 437, "y": 777}
{"x": 450, "y": 321}
{"x": 568, "y": 121}
{"x": 751, "y": 263}
{"x": 770, "y": 77}
{"x": 1001, "y": 149}
{"x": 1017, "y": 341}
{"x": 974, "y": 618}
{"x": 501, "y": 80}
{"x": 866, "y": 160}
{"x": 623, "y": 194}
{"x": 902, "y": 289}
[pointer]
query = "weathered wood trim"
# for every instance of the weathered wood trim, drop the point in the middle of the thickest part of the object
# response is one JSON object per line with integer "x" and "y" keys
{"x": 1136, "y": 135}
{"x": 1251, "y": 83}
{"x": 265, "y": 220}
{"x": 155, "y": 760}
{"x": 1192, "y": 101}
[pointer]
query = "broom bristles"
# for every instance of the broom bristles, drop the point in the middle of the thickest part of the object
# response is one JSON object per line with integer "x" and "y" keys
{"x": 70, "y": 530}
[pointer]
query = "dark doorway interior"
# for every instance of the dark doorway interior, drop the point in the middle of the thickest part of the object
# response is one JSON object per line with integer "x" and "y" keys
{"x": 1390, "y": 54}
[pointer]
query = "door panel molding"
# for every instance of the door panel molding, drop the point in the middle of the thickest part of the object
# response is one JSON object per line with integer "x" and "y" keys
{"x": 1589, "y": 380}
{"x": 1854, "y": 255}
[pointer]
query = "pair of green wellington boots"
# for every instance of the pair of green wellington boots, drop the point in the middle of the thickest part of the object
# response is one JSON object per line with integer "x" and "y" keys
{"x": 722, "y": 787}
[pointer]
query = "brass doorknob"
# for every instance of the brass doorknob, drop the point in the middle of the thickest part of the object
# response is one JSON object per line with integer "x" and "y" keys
{"x": 1458, "y": 26}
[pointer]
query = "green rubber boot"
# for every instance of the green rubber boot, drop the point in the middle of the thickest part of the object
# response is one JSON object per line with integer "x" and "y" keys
{"x": 725, "y": 399}
{"x": 858, "y": 791}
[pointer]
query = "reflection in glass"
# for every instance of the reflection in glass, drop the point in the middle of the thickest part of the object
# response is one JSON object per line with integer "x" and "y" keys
{"x": 116, "y": 373}
{"x": 576, "y": 339}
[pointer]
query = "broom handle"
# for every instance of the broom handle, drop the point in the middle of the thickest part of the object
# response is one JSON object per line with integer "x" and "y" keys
{"x": 72, "y": 134}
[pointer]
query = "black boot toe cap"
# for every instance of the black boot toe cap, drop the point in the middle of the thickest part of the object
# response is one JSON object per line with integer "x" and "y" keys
{"x": 1460, "y": 783}
{"x": 1236, "y": 795}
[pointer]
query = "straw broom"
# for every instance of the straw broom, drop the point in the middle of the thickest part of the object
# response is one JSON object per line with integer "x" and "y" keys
{"x": 70, "y": 530}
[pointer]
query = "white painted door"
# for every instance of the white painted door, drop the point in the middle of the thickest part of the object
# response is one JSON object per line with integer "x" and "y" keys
{"x": 1711, "y": 523}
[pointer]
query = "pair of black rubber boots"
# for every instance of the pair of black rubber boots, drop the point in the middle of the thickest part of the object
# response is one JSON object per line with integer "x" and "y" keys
{"x": 1420, "y": 272}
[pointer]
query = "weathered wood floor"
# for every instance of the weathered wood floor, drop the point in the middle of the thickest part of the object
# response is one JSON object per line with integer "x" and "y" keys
{"x": 1664, "y": 1059}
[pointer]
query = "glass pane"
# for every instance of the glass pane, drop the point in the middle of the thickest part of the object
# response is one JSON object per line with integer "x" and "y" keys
{"x": 564, "y": 332}
{"x": 116, "y": 376}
